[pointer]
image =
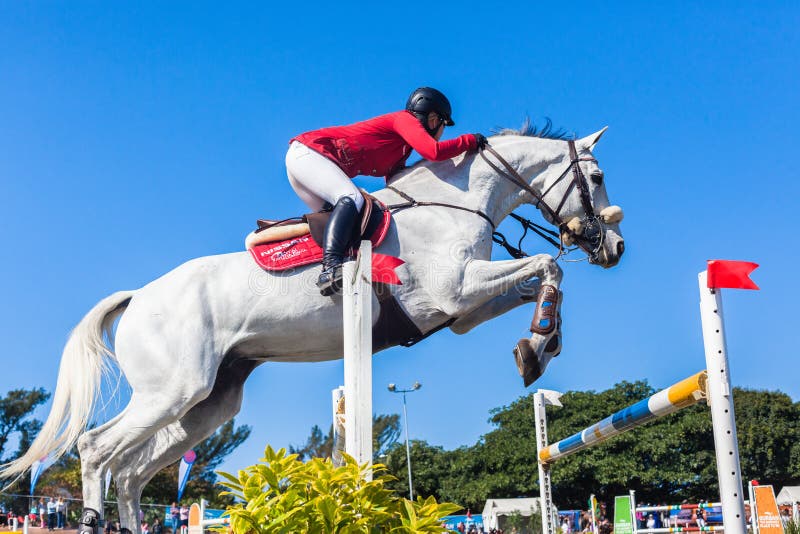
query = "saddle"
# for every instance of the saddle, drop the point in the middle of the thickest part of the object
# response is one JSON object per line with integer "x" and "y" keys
{"x": 294, "y": 242}
{"x": 269, "y": 231}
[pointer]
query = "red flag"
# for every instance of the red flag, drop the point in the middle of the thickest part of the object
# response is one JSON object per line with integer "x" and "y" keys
{"x": 383, "y": 267}
{"x": 731, "y": 274}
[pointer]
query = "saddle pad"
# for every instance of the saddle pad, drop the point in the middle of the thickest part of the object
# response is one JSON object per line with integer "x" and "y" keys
{"x": 303, "y": 250}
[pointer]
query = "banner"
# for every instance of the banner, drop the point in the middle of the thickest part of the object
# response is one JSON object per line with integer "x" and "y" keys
{"x": 183, "y": 471}
{"x": 36, "y": 469}
{"x": 623, "y": 522}
{"x": 768, "y": 518}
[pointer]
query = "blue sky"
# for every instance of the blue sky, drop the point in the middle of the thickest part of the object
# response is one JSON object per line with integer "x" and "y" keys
{"x": 137, "y": 136}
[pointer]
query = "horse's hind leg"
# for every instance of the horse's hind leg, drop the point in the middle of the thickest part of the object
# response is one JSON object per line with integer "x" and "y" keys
{"x": 92, "y": 479}
{"x": 137, "y": 466}
{"x": 151, "y": 407}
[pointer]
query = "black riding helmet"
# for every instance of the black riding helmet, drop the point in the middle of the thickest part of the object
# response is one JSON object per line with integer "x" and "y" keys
{"x": 426, "y": 99}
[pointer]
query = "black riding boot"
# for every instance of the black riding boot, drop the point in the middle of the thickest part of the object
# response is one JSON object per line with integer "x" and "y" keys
{"x": 335, "y": 242}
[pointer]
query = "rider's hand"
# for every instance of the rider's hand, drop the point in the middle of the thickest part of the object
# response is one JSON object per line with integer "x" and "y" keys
{"x": 480, "y": 140}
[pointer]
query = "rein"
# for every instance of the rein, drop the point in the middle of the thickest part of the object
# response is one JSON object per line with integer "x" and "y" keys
{"x": 552, "y": 237}
{"x": 412, "y": 203}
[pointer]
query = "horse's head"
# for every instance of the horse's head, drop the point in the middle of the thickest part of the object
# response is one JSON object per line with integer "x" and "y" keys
{"x": 572, "y": 196}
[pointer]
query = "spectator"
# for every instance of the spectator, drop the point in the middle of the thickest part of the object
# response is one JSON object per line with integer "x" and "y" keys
{"x": 157, "y": 527}
{"x": 51, "y": 514}
{"x": 184, "y": 514}
{"x": 175, "y": 512}
{"x": 61, "y": 508}
{"x": 42, "y": 513}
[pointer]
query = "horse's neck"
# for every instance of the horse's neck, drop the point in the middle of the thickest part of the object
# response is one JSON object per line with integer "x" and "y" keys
{"x": 468, "y": 181}
{"x": 537, "y": 160}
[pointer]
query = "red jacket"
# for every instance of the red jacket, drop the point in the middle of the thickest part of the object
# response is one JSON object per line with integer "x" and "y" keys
{"x": 381, "y": 146}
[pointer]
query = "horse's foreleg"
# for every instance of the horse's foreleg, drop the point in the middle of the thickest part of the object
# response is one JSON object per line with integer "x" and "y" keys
{"x": 493, "y": 288}
{"x": 518, "y": 295}
{"x": 485, "y": 280}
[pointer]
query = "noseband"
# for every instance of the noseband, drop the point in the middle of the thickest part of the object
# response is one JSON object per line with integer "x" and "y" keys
{"x": 589, "y": 239}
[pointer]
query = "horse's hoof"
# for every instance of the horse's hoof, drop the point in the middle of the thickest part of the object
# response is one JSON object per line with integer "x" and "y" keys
{"x": 88, "y": 521}
{"x": 528, "y": 362}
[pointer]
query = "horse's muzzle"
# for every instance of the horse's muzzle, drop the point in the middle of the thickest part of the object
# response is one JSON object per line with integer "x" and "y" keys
{"x": 610, "y": 253}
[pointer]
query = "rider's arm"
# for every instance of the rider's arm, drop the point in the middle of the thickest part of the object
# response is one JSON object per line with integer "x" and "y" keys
{"x": 410, "y": 129}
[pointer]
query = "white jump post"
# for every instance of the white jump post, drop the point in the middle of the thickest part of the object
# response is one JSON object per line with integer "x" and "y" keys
{"x": 357, "y": 305}
{"x": 720, "y": 400}
{"x": 712, "y": 385}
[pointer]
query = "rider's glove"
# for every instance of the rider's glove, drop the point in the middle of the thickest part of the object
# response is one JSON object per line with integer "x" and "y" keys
{"x": 480, "y": 141}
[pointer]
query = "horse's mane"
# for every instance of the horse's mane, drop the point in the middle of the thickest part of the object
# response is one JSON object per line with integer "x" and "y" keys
{"x": 529, "y": 129}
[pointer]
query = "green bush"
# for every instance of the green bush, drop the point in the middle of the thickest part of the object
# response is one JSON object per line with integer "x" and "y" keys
{"x": 281, "y": 494}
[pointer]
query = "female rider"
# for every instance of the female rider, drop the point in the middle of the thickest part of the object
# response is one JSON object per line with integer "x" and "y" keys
{"x": 321, "y": 163}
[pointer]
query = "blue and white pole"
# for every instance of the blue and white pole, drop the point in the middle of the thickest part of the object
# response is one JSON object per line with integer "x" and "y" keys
{"x": 685, "y": 393}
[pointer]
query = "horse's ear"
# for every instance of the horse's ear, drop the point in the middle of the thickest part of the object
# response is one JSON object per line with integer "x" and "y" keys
{"x": 590, "y": 140}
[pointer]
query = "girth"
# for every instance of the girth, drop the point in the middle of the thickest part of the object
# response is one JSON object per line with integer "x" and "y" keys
{"x": 394, "y": 326}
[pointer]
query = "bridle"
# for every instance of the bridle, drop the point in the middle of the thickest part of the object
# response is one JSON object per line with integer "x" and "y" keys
{"x": 589, "y": 238}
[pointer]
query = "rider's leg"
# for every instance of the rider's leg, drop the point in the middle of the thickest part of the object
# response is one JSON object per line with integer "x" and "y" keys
{"x": 318, "y": 178}
{"x": 308, "y": 197}
{"x": 337, "y": 237}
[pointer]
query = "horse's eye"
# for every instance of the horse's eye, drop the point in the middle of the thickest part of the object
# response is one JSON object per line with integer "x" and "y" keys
{"x": 597, "y": 177}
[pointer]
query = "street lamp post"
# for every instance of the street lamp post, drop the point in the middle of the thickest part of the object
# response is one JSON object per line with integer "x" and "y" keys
{"x": 393, "y": 389}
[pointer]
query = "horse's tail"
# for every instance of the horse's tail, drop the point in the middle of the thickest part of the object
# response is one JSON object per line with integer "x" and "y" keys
{"x": 79, "y": 377}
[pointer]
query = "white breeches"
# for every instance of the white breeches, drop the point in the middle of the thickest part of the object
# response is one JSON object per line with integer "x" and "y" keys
{"x": 316, "y": 179}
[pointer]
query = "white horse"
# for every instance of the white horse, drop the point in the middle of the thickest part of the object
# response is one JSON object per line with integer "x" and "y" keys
{"x": 187, "y": 341}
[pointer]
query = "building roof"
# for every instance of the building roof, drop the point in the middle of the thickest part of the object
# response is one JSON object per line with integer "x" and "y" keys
{"x": 789, "y": 495}
{"x": 525, "y": 506}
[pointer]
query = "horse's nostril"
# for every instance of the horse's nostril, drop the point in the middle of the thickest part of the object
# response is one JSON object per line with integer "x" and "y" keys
{"x": 620, "y": 248}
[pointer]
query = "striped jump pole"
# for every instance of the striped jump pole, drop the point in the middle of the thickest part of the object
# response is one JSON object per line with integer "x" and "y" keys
{"x": 712, "y": 385}
{"x": 713, "y": 528}
{"x": 685, "y": 393}
{"x": 671, "y": 507}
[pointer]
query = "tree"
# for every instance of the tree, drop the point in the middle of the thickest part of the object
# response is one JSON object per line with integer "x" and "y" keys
{"x": 15, "y": 417}
{"x": 429, "y": 465}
